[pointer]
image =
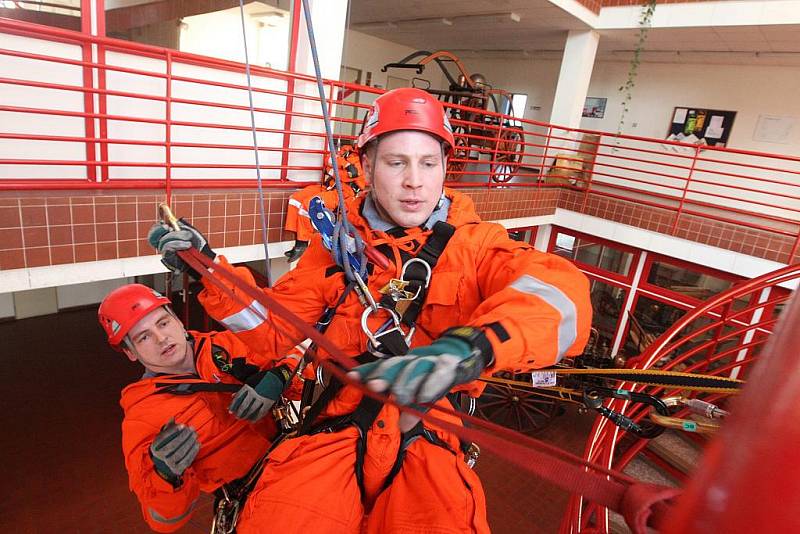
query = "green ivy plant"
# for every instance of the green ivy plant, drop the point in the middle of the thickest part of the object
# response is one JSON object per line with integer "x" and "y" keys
{"x": 645, "y": 19}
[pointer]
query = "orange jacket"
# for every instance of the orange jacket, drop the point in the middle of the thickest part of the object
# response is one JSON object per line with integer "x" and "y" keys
{"x": 540, "y": 301}
{"x": 228, "y": 446}
{"x": 352, "y": 176}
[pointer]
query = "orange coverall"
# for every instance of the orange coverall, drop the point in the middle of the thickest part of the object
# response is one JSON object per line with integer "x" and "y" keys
{"x": 297, "y": 220}
{"x": 228, "y": 446}
{"x": 541, "y": 304}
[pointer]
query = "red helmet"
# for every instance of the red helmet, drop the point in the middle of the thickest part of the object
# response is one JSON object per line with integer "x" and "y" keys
{"x": 407, "y": 109}
{"x": 124, "y": 307}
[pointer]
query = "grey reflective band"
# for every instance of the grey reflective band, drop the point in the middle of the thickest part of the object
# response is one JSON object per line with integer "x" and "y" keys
{"x": 568, "y": 327}
{"x": 247, "y": 319}
{"x": 172, "y": 520}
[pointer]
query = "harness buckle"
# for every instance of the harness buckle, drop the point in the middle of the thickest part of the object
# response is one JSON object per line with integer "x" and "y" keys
{"x": 390, "y": 327}
{"x": 396, "y": 289}
{"x": 227, "y": 514}
{"x": 472, "y": 455}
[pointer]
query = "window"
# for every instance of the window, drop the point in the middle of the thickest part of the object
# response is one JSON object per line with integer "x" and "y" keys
{"x": 597, "y": 254}
{"x": 607, "y": 304}
{"x": 525, "y": 235}
{"x": 686, "y": 280}
{"x": 64, "y": 14}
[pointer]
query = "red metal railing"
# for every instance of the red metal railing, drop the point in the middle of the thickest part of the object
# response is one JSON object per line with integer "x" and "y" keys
{"x": 722, "y": 337}
{"x": 147, "y": 117}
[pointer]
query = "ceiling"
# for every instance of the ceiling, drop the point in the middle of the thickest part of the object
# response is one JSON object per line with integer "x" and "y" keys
{"x": 484, "y": 28}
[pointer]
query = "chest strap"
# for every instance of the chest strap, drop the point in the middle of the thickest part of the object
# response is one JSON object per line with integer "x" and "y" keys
{"x": 416, "y": 278}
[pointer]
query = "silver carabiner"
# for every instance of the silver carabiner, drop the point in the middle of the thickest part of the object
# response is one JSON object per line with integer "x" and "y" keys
{"x": 395, "y": 317}
{"x": 427, "y": 273}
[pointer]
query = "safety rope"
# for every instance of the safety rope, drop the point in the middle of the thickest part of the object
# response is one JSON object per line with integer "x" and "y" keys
{"x": 658, "y": 377}
{"x": 606, "y": 487}
{"x": 261, "y": 209}
{"x": 343, "y": 230}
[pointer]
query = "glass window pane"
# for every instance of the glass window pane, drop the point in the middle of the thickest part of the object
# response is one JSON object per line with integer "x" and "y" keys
{"x": 64, "y": 14}
{"x": 588, "y": 252}
{"x": 650, "y": 319}
{"x": 607, "y": 304}
{"x": 686, "y": 281}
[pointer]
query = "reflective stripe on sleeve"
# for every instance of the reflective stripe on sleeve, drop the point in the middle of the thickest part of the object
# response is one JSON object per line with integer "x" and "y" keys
{"x": 300, "y": 209}
{"x": 247, "y": 319}
{"x": 172, "y": 520}
{"x": 568, "y": 327}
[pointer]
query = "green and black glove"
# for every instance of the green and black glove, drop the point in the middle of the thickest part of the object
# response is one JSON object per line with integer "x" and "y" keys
{"x": 173, "y": 451}
{"x": 168, "y": 242}
{"x": 428, "y": 373}
{"x": 254, "y": 400}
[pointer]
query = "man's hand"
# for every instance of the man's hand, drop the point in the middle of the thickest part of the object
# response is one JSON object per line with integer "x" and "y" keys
{"x": 254, "y": 400}
{"x": 168, "y": 242}
{"x": 427, "y": 373}
{"x": 173, "y": 451}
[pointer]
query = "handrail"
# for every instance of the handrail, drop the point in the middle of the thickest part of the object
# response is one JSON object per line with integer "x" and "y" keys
{"x": 754, "y": 190}
{"x": 707, "y": 357}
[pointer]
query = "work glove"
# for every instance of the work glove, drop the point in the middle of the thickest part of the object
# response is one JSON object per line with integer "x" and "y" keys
{"x": 168, "y": 242}
{"x": 427, "y": 373}
{"x": 173, "y": 451}
{"x": 255, "y": 398}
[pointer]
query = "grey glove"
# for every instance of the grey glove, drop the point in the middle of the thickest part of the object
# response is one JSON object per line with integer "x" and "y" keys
{"x": 173, "y": 451}
{"x": 254, "y": 400}
{"x": 168, "y": 242}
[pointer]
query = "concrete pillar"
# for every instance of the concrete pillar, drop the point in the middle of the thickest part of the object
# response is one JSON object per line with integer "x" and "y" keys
{"x": 329, "y": 19}
{"x": 573, "y": 80}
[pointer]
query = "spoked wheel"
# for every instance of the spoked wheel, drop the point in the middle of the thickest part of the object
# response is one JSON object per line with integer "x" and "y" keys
{"x": 509, "y": 154}
{"x": 518, "y": 409}
{"x": 455, "y": 169}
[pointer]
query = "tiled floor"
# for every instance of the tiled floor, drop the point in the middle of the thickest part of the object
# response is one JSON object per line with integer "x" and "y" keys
{"x": 62, "y": 466}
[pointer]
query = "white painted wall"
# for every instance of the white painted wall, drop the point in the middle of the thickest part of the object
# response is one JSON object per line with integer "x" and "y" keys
{"x": 73, "y": 295}
{"x": 33, "y": 97}
{"x": 750, "y": 90}
{"x": 370, "y": 54}
{"x": 6, "y": 305}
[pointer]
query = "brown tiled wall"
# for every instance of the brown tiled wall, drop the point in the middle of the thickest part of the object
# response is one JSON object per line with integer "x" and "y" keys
{"x": 38, "y": 229}
{"x": 57, "y": 228}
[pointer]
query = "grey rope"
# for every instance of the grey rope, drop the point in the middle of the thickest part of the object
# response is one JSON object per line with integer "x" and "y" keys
{"x": 267, "y": 269}
{"x": 343, "y": 228}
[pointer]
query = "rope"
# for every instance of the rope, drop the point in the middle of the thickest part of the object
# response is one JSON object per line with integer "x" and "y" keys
{"x": 343, "y": 230}
{"x": 267, "y": 269}
{"x": 660, "y": 378}
{"x": 606, "y": 487}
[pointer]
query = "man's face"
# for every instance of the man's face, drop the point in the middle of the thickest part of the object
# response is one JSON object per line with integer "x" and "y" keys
{"x": 407, "y": 174}
{"x": 159, "y": 343}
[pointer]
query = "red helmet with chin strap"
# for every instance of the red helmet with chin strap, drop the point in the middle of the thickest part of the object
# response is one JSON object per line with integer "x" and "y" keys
{"x": 126, "y": 306}
{"x": 407, "y": 108}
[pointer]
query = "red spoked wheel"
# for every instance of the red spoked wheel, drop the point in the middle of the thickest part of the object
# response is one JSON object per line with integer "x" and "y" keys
{"x": 509, "y": 154}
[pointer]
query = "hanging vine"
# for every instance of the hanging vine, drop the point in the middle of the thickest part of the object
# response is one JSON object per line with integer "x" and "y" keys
{"x": 645, "y": 19}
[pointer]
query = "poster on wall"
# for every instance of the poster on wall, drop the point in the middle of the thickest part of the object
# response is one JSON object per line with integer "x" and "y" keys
{"x": 774, "y": 129}
{"x": 595, "y": 107}
{"x": 700, "y": 126}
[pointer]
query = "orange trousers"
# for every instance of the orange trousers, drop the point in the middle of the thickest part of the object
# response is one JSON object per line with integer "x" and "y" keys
{"x": 309, "y": 485}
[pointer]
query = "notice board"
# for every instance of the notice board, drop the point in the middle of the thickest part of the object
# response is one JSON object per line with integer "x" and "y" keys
{"x": 701, "y": 125}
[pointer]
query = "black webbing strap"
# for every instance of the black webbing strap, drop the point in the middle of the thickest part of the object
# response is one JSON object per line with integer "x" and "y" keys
{"x": 322, "y": 326}
{"x": 190, "y": 388}
{"x": 419, "y": 431}
{"x": 417, "y": 276}
{"x": 326, "y": 397}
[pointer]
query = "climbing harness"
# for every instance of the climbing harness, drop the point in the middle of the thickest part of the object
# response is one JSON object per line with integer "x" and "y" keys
{"x": 608, "y": 488}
